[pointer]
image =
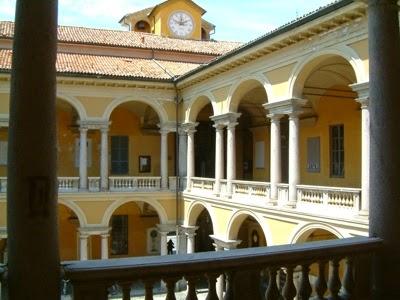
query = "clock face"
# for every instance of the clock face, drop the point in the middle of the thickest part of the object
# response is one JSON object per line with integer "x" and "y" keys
{"x": 181, "y": 24}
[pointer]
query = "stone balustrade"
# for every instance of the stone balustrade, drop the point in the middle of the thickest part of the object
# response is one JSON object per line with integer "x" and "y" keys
{"x": 128, "y": 184}
{"x": 203, "y": 185}
{"x": 276, "y": 272}
{"x": 68, "y": 184}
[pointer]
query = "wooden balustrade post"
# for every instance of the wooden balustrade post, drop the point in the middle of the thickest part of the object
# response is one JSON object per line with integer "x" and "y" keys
{"x": 126, "y": 290}
{"x": 191, "y": 280}
{"x": 320, "y": 284}
{"x": 170, "y": 283}
{"x": 272, "y": 290}
{"x": 230, "y": 277}
{"x": 212, "y": 291}
{"x": 148, "y": 287}
{"x": 348, "y": 280}
{"x": 89, "y": 291}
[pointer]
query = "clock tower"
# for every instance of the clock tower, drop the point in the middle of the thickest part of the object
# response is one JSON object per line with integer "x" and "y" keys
{"x": 172, "y": 18}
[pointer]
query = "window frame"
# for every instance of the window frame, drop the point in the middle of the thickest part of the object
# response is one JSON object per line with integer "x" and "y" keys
{"x": 336, "y": 151}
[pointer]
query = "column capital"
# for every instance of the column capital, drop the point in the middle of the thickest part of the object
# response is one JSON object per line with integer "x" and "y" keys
{"x": 167, "y": 127}
{"x": 189, "y": 230}
{"x": 94, "y": 124}
{"x": 275, "y": 117}
{"x": 225, "y": 244}
{"x": 225, "y": 119}
{"x": 286, "y": 107}
{"x": 189, "y": 127}
{"x": 165, "y": 228}
{"x": 95, "y": 230}
{"x": 362, "y": 90}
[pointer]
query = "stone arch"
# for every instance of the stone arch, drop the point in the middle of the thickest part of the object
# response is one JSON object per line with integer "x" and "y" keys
{"x": 75, "y": 103}
{"x": 235, "y": 94}
{"x": 238, "y": 218}
{"x": 162, "y": 114}
{"x": 197, "y": 104}
{"x": 117, "y": 203}
{"x": 76, "y": 210}
{"x": 304, "y": 67}
{"x": 303, "y": 231}
{"x": 194, "y": 211}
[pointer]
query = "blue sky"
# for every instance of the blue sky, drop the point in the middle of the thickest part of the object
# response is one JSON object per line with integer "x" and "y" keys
{"x": 235, "y": 20}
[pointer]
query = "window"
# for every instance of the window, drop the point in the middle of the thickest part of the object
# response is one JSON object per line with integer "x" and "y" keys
{"x": 313, "y": 155}
{"x": 119, "y": 155}
{"x": 260, "y": 155}
{"x": 3, "y": 152}
{"x": 337, "y": 150}
{"x": 119, "y": 235}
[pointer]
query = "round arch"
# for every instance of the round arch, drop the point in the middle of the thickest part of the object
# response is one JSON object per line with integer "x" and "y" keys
{"x": 195, "y": 210}
{"x": 116, "y": 204}
{"x": 234, "y": 98}
{"x": 197, "y": 104}
{"x": 162, "y": 114}
{"x": 238, "y": 218}
{"x": 75, "y": 103}
{"x": 304, "y": 67}
{"x": 303, "y": 231}
{"x": 76, "y": 210}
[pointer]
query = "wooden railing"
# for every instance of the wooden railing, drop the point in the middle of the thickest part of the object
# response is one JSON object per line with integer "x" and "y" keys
{"x": 243, "y": 270}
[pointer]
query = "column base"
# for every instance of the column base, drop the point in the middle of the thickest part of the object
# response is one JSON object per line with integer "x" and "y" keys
{"x": 291, "y": 204}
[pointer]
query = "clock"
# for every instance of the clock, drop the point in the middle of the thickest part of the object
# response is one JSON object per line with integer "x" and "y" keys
{"x": 181, "y": 24}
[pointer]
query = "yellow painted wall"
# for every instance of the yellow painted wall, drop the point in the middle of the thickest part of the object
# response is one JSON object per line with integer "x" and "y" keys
{"x": 221, "y": 95}
{"x": 67, "y": 232}
{"x": 279, "y": 79}
{"x": 280, "y": 230}
{"x": 3, "y": 213}
{"x": 333, "y": 111}
{"x": 95, "y": 106}
{"x": 127, "y": 123}
{"x": 4, "y": 103}
{"x": 262, "y": 134}
{"x": 220, "y": 222}
{"x": 169, "y": 206}
{"x": 137, "y": 229}
{"x": 94, "y": 210}
{"x": 163, "y": 13}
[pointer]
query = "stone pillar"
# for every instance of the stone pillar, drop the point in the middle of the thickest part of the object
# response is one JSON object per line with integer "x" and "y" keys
{"x": 104, "y": 245}
{"x": 384, "y": 108}
{"x": 231, "y": 156}
{"x": 219, "y": 156}
{"x": 275, "y": 160}
{"x": 83, "y": 246}
{"x": 190, "y": 130}
{"x": 83, "y": 158}
{"x": 163, "y": 243}
{"x": 104, "y": 159}
{"x": 164, "y": 158}
{"x": 182, "y": 156}
{"x": 363, "y": 98}
{"x": 294, "y": 158}
{"x": 190, "y": 232}
{"x": 32, "y": 156}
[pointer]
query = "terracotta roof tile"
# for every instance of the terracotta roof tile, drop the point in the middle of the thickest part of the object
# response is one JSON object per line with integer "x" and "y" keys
{"x": 130, "y": 39}
{"x": 109, "y": 66}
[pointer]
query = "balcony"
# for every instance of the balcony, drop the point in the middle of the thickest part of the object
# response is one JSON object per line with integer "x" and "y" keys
{"x": 296, "y": 270}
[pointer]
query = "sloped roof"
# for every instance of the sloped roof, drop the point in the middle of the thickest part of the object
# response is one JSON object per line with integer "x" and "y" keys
{"x": 130, "y": 39}
{"x": 109, "y": 66}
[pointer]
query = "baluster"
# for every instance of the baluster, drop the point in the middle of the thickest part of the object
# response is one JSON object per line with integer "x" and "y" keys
{"x": 305, "y": 289}
{"x": 289, "y": 290}
{"x": 148, "y": 286}
{"x": 170, "y": 288}
{"x": 230, "y": 277}
{"x": 348, "y": 280}
{"x": 320, "y": 284}
{"x": 272, "y": 290}
{"x": 334, "y": 280}
{"x": 212, "y": 292}
{"x": 191, "y": 295}
{"x": 126, "y": 290}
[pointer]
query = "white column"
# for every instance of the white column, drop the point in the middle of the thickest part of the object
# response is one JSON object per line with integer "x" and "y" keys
{"x": 219, "y": 156}
{"x": 104, "y": 246}
{"x": 182, "y": 155}
{"x": 83, "y": 158}
{"x": 104, "y": 159}
{"x": 275, "y": 159}
{"x": 163, "y": 243}
{"x": 190, "y": 157}
{"x": 365, "y": 157}
{"x": 83, "y": 246}
{"x": 190, "y": 232}
{"x": 231, "y": 156}
{"x": 164, "y": 158}
{"x": 294, "y": 158}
